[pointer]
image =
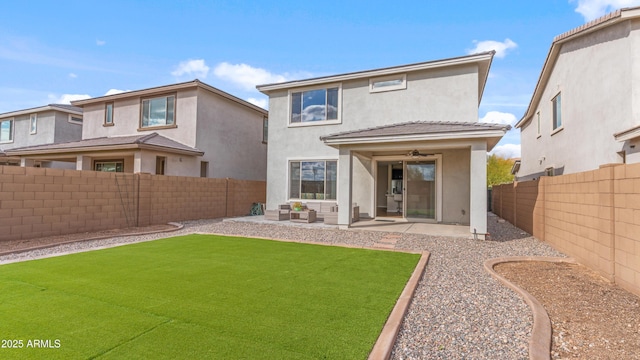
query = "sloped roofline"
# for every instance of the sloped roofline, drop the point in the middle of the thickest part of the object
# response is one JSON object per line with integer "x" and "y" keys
{"x": 50, "y": 107}
{"x": 483, "y": 60}
{"x": 588, "y": 28}
{"x": 168, "y": 88}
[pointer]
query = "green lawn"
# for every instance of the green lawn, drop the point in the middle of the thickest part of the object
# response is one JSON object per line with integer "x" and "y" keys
{"x": 201, "y": 296}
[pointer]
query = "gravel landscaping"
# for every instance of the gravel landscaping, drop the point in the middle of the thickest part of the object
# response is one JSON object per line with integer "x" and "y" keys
{"x": 458, "y": 311}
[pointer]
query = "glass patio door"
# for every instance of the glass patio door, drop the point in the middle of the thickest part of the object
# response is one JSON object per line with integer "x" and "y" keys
{"x": 420, "y": 196}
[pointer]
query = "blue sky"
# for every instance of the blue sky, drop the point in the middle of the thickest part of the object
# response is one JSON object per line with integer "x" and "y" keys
{"x": 54, "y": 52}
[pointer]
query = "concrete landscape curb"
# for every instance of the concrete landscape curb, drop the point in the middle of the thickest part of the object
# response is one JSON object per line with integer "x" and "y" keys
{"x": 387, "y": 339}
{"x": 540, "y": 342}
{"x": 176, "y": 227}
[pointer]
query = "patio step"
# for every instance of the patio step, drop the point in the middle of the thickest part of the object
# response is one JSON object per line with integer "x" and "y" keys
{"x": 388, "y": 242}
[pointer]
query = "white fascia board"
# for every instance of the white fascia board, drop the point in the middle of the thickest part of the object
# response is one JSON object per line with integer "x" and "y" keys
{"x": 416, "y": 137}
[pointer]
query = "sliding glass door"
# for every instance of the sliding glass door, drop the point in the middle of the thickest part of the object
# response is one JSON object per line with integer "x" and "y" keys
{"x": 420, "y": 197}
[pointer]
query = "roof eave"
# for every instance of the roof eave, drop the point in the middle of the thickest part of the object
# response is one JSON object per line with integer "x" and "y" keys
{"x": 414, "y": 137}
{"x": 169, "y": 88}
{"x": 554, "y": 51}
{"x": 86, "y": 149}
{"x": 39, "y": 110}
{"x": 468, "y": 59}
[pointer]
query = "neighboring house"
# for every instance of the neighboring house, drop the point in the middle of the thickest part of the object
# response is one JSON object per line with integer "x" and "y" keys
{"x": 49, "y": 124}
{"x": 184, "y": 129}
{"x": 585, "y": 110}
{"x": 403, "y": 143}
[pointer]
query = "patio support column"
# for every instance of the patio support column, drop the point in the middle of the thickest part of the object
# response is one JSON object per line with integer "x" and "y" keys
{"x": 137, "y": 162}
{"x": 478, "y": 191}
{"x": 24, "y": 162}
{"x": 345, "y": 165}
{"x": 83, "y": 162}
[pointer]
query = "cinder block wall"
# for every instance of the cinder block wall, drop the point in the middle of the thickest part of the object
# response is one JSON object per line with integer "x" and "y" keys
{"x": 38, "y": 202}
{"x": 592, "y": 216}
{"x": 626, "y": 215}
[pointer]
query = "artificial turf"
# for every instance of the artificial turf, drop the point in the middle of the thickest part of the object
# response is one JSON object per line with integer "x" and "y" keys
{"x": 201, "y": 296}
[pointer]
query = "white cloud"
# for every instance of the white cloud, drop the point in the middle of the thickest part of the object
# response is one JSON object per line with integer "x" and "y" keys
{"x": 488, "y": 45}
{"x": 263, "y": 103}
{"x": 246, "y": 76}
{"x": 593, "y": 9}
{"x": 72, "y": 75}
{"x": 195, "y": 67}
{"x": 100, "y": 42}
{"x": 507, "y": 151}
{"x": 114, "y": 91}
{"x": 67, "y": 98}
{"x": 497, "y": 117}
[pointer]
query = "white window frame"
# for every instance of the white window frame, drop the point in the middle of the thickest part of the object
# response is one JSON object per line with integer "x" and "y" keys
{"x": 33, "y": 123}
{"x": 539, "y": 134}
{"x": 311, "y": 159}
{"x": 402, "y": 86}
{"x": 12, "y": 131}
{"x": 338, "y": 119}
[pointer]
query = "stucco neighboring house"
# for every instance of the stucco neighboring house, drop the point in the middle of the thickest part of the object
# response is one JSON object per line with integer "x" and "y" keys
{"x": 403, "y": 143}
{"x": 49, "y": 124}
{"x": 184, "y": 129}
{"x": 585, "y": 110}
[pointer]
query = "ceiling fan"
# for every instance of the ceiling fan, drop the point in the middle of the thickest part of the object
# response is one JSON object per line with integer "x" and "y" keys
{"x": 416, "y": 154}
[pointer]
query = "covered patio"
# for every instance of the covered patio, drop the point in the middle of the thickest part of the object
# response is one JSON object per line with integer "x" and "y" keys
{"x": 435, "y": 172}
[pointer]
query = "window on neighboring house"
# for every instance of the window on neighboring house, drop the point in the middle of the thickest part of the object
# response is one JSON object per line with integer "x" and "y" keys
{"x": 265, "y": 129}
{"x": 33, "y": 123}
{"x": 108, "y": 114}
{"x": 388, "y": 83}
{"x": 6, "y": 130}
{"x": 557, "y": 112}
{"x": 109, "y": 166}
{"x": 75, "y": 119}
{"x": 313, "y": 180}
{"x": 161, "y": 163}
{"x": 159, "y": 111}
{"x": 538, "y": 122}
{"x": 314, "y": 106}
{"x": 204, "y": 169}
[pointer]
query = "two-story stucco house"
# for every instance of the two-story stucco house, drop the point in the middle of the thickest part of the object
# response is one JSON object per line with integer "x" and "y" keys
{"x": 401, "y": 142}
{"x": 585, "y": 110}
{"x": 184, "y": 129}
{"x": 49, "y": 124}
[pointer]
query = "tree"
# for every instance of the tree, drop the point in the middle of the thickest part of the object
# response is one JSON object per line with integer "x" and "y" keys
{"x": 499, "y": 170}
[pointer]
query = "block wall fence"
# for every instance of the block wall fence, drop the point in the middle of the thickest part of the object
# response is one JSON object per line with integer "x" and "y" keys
{"x": 593, "y": 216}
{"x": 37, "y": 202}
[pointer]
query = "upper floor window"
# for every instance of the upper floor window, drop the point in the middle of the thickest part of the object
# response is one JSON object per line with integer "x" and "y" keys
{"x": 557, "y": 111}
{"x": 33, "y": 123}
{"x": 75, "y": 119}
{"x": 388, "y": 83}
{"x": 108, "y": 114}
{"x": 265, "y": 129}
{"x": 6, "y": 130}
{"x": 159, "y": 111}
{"x": 317, "y": 105}
{"x": 538, "y": 123}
